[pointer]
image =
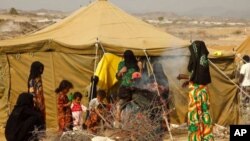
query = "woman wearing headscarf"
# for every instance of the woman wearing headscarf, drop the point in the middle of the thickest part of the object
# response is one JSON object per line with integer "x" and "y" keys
{"x": 35, "y": 87}
{"x": 199, "y": 119}
{"x": 23, "y": 119}
{"x": 126, "y": 68}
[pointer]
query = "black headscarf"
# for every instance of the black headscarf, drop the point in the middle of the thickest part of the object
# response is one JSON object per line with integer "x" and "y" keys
{"x": 130, "y": 60}
{"x": 198, "y": 63}
{"x": 22, "y": 119}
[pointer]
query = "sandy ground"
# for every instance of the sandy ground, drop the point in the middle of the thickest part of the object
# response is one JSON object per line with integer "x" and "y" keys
{"x": 17, "y": 18}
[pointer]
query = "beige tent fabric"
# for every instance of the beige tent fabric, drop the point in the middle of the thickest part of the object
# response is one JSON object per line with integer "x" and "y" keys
{"x": 244, "y": 47}
{"x": 58, "y": 66}
{"x": 100, "y": 20}
{"x": 4, "y": 88}
{"x": 223, "y": 93}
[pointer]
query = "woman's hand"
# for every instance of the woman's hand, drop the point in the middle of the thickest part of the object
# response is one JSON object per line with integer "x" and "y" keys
{"x": 182, "y": 76}
{"x": 139, "y": 64}
{"x": 122, "y": 71}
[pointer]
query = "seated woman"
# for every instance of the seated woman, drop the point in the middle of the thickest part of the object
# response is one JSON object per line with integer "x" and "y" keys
{"x": 23, "y": 119}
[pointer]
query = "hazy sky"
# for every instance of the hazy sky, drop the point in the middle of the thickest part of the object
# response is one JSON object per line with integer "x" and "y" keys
{"x": 135, "y": 6}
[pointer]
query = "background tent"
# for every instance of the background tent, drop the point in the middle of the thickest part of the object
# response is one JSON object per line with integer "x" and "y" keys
{"x": 244, "y": 47}
{"x": 68, "y": 50}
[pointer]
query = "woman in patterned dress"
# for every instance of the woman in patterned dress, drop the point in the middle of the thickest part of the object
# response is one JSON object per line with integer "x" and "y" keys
{"x": 35, "y": 87}
{"x": 199, "y": 119}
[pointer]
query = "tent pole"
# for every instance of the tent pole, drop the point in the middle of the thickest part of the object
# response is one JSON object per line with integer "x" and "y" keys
{"x": 96, "y": 52}
{"x": 97, "y": 44}
{"x": 158, "y": 93}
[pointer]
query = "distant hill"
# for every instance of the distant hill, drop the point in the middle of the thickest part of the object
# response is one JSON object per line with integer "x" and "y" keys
{"x": 217, "y": 12}
{"x": 34, "y": 12}
{"x": 49, "y": 11}
{"x": 155, "y": 15}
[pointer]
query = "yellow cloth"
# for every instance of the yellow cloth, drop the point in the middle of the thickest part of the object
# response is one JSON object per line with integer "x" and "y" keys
{"x": 106, "y": 70}
{"x": 218, "y": 53}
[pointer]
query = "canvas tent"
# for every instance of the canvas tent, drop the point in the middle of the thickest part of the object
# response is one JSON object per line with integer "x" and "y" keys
{"x": 70, "y": 49}
{"x": 244, "y": 47}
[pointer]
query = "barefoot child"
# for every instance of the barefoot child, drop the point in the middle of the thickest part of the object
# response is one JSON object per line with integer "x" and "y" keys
{"x": 63, "y": 105}
{"x": 96, "y": 108}
{"x": 77, "y": 111}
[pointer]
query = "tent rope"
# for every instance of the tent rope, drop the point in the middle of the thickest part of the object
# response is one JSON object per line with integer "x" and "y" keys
{"x": 102, "y": 47}
{"x": 31, "y": 54}
{"x": 18, "y": 56}
{"x": 158, "y": 93}
{"x": 228, "y": 78}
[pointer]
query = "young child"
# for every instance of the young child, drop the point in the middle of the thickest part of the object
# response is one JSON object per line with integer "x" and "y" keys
{"x": 93, "y": 122}
{"x": 63, "y": 105}
{"x": 101, "y": 94}
{"x": 96, "y": 107}
{"x": 77, "y": 111}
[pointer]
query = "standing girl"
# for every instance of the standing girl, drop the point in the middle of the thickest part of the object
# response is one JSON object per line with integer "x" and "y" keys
{"x": 35, "y": 87}
{"x": 63, "y": 105}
